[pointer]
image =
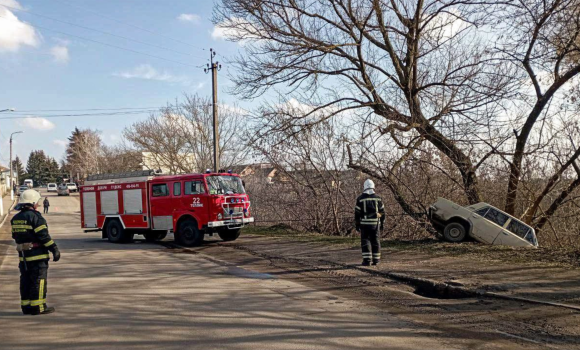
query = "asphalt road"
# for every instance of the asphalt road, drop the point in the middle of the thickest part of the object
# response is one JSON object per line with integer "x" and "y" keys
{"x": 144, "y": 296}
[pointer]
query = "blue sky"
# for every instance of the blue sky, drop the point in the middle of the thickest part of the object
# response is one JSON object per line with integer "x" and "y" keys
{"x": 44, "y": 67}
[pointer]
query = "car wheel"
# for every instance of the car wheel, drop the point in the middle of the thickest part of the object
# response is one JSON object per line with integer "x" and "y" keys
{"x": 454, "y": 232}
{"x": 154, "y": 236}
{"x": 116, "y": 233}
{"x": 188, "y": 234}
{"x": 229, "y": 235}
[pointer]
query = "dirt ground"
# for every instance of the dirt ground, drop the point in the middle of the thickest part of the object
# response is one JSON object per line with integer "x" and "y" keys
{"x": 528, "y": 274}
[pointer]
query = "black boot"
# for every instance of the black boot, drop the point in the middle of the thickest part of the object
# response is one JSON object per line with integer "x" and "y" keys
{"x": 26, "y": 310}
{"x": 46, "y": 311}
{"x": 376, "y": 262}
{"x": 366, "y": 262}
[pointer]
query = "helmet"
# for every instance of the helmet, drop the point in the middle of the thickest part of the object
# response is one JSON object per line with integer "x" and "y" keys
{"x": 29, "y": 197}
{"x": 369, "y": 185}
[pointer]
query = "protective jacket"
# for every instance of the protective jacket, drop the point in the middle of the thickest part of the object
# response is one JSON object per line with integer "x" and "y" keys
{"x": 30, "y": 232}
{"x": 369, "y": 211}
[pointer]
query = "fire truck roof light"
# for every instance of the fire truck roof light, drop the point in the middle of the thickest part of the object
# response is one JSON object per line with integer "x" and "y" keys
{"x": 229, "y": 171}
{"x": 207, "y": 171}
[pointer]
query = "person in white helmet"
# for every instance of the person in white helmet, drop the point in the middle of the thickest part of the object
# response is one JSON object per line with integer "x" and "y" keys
{"x": 30, "y": 231}
{"x": 369, "y": 216}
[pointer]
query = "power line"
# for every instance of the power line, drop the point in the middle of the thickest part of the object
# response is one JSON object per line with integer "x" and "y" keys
{"x": 102, "y": 32}
{"x": 129, "y": 24}
{"x": 105, "y": 44}
{"x": 85, "y": 109}
{"x": 74, "y": 115}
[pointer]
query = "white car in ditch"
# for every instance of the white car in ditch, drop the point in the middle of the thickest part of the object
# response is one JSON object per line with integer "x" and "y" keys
{"x": 482, "y": 222}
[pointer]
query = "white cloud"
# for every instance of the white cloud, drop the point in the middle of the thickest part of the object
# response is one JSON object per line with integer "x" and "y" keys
{"x": 61, "y": 143}
{"x": 189, "y": 17}
{"x": 37, "y": 123}
{"x": 229, "y": 30}
{"x": 59, "y": 54}
{"x": 446, "y": 25}
{"x": 11, "y": 3}
{"x": 147, "y": 72}
{"x": 13, "y": 32}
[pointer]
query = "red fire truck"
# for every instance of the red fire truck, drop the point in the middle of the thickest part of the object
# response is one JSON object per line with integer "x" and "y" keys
{"x": 190, "y": 206}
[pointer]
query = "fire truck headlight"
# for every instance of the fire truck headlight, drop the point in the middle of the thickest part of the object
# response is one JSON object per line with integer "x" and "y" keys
{"x": 219, "y": 216}
{"x": 246, "y": 212}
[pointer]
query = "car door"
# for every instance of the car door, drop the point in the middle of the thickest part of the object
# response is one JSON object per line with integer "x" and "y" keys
{"x": 195, "y": 199}
{"x": 513, "y": 235}
{"x": 477, "y": 227}
{"x": 490, "y": 225}
{"x": 161, "y": 207}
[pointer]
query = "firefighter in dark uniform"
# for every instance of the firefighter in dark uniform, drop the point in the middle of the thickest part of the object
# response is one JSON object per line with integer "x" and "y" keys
{"x": 33, "y": 243}
{"x": 369, "y": 216}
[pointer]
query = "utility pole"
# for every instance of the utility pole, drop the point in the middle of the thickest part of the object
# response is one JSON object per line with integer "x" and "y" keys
{"x": 213, "y": 68}
{"x": 11, "y": 184}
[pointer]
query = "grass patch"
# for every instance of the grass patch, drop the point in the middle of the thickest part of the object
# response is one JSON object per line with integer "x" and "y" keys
{"x": 286, "y": 232}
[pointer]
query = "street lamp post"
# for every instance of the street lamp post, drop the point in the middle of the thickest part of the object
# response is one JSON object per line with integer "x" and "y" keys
{"x": 11, "y": 184}
{"x": 11, "y": 194}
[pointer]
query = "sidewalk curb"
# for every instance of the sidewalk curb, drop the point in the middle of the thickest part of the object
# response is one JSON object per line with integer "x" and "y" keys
{"x": 440, "y": 288}
{"x": 456, "y": 290}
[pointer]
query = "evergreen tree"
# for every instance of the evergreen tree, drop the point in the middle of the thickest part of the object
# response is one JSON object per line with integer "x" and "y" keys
{"x": 42, "y": 169}
{"x": 18, "y": 169}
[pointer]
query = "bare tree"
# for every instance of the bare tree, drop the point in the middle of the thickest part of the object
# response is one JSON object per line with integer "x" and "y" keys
{"x": 417, "y": 72}
{"x": 84, "y": 152}
{"x": 116, "y": 159}
{"x": 542, "y": 39}
{"x": 180, "y": 138}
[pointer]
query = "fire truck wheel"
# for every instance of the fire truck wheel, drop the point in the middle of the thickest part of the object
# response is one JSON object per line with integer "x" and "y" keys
{"x": 188, "y": 234}
{"x": 154, "y": 237}
{"x": 229, "y": 235}
{"x": 115, "y": 232}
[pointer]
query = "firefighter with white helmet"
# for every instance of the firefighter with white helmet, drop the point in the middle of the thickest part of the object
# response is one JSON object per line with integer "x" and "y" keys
{"x": 30, "y": 231}
{"x": 369, "y": 216}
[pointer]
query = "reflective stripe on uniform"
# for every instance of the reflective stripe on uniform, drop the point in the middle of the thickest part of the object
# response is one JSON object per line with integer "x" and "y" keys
{"x": 27, "y": 227}
{"x": 41, "y": 295}
{"x": 37, "y": 257}
{"x": 49, "y": 243}
{"x": 37, "y": 302}
{"x": 357, "y": 208}
{"x": 24, "y": 302}
{"x": 366, "y": 255}
{"x": 369, "y": 221}
{"x": 39, "y": 228}
{"x": 377, "y": 255}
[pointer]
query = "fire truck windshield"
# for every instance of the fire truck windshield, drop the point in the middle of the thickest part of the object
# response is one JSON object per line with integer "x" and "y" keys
{"x": 225, "y": 184}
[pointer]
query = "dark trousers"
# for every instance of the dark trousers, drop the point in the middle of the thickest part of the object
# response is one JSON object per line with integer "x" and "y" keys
{"x": 33, "y": 286}
{"x": 370, "y": 243}
{"x": 46, "y": 209}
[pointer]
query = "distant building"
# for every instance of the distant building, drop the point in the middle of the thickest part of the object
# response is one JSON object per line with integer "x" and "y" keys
{"x": 261, "y": 172}
{"x": 5, "y": 180}
{"x": 158, "y": 161}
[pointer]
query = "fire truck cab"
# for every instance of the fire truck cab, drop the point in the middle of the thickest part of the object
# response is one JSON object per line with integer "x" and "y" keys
{"x": 190, "y": 206}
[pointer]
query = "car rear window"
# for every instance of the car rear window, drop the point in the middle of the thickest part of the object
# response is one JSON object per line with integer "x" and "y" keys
{"x": 496, "y": 216}
{"x": 482, "y": 211}
{"x": 518, "y": 228}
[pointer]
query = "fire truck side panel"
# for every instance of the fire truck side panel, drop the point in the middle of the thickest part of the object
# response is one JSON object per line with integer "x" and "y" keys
{"x": 131, "y": 197}
{"x": 109, "y": 202}
{"x": 89, "y": 210}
